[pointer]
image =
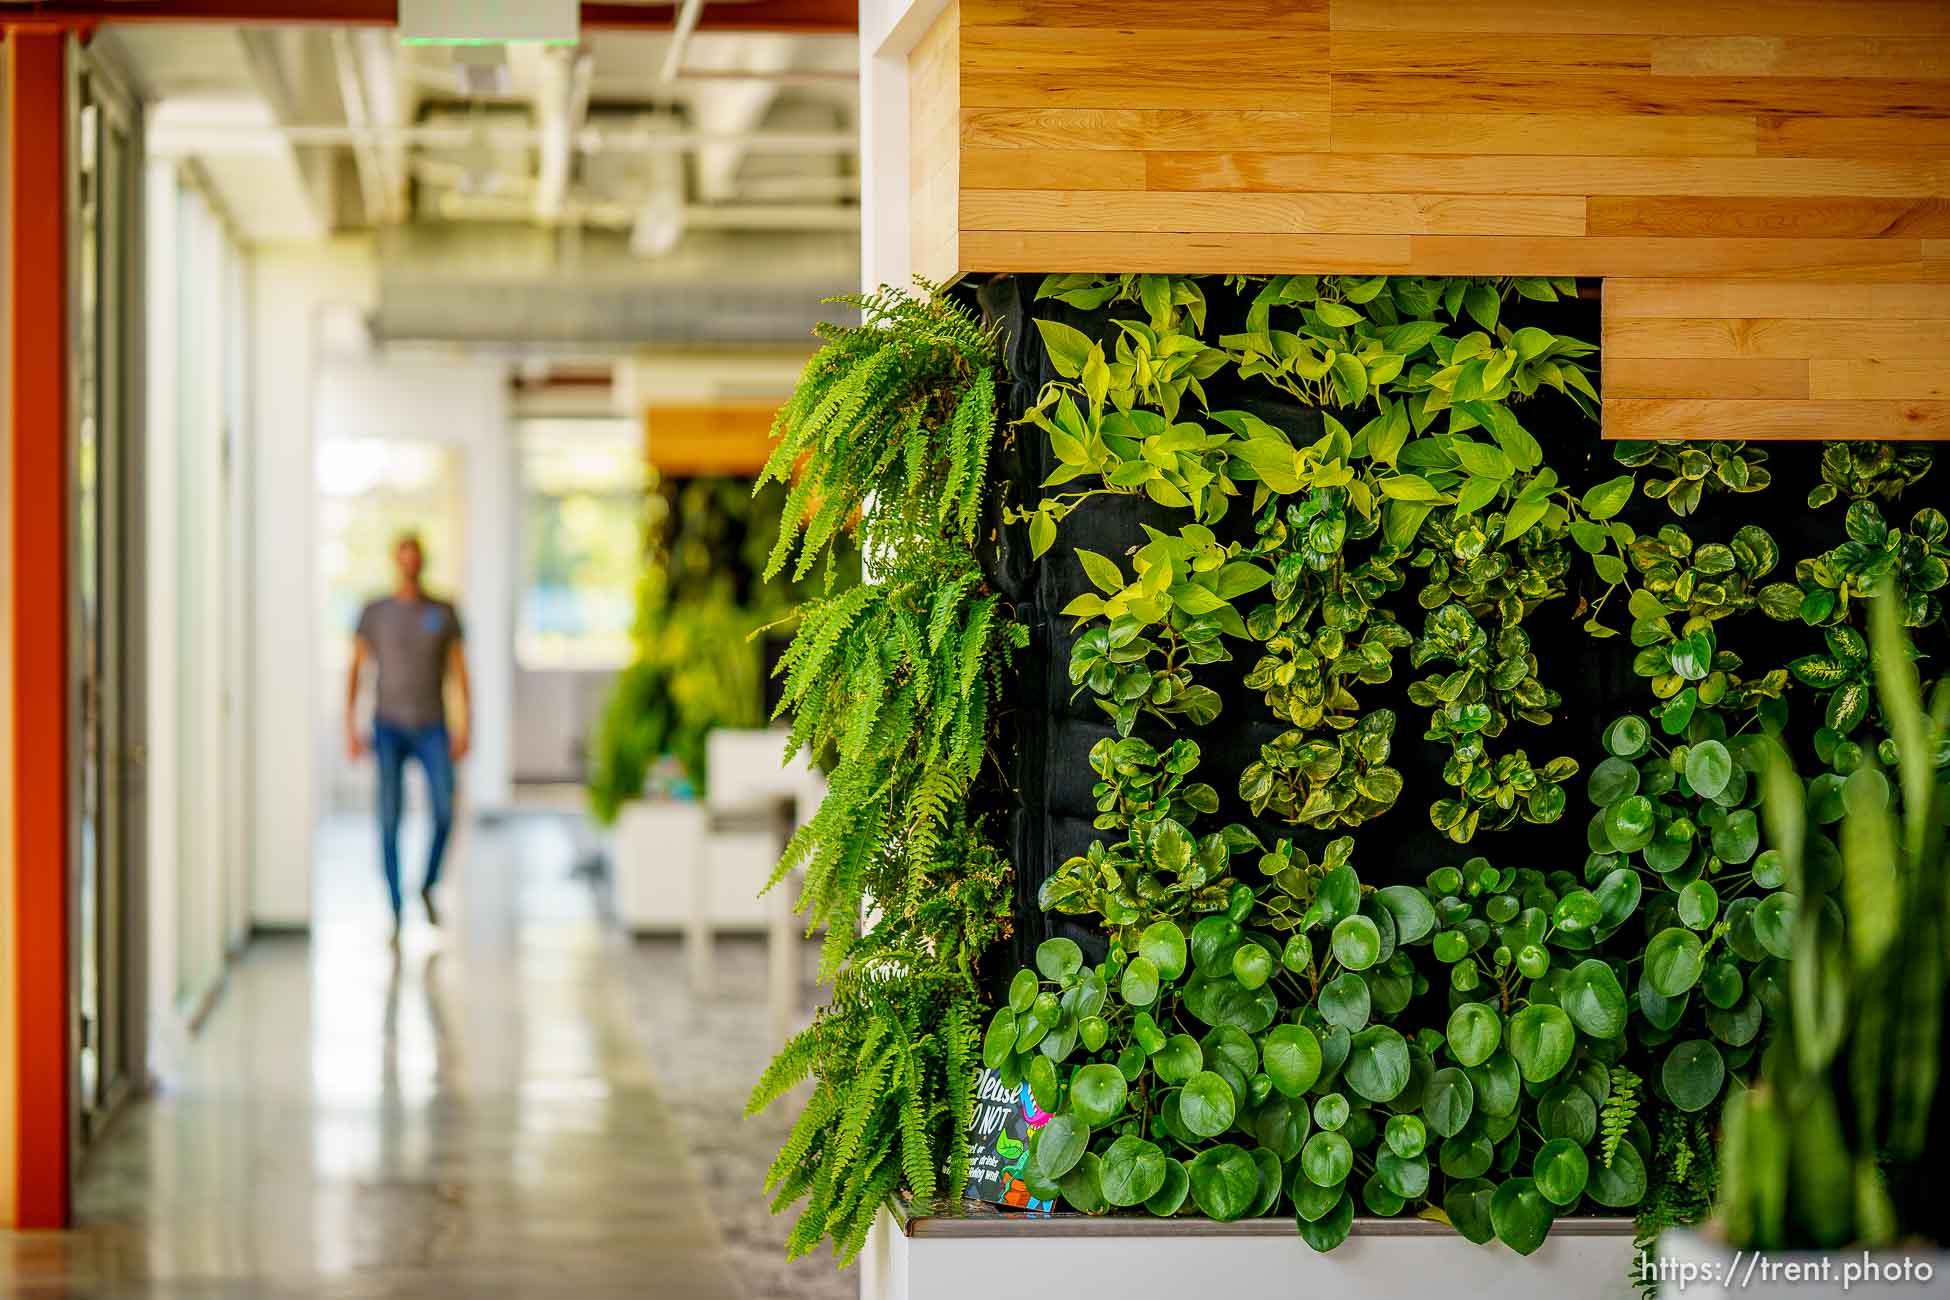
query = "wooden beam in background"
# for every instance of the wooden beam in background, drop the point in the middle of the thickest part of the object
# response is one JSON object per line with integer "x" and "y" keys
{"x": 712, "y": 438}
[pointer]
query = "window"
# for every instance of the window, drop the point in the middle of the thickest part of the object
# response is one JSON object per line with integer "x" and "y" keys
{"x": 582, "y": 529}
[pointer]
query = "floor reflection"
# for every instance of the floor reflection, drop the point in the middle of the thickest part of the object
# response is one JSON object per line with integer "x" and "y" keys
{"x": 469, "y": 1114}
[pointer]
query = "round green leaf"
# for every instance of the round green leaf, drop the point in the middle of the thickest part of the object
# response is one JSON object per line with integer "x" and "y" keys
{"x": 1291, "y": 1054}
{"x": 1097, "y": 1094}
{"x": 1326, "y": 1159}
{"x": 1214, "y": 939}
{"x": 1466, "y": 1156}
{"x": 1591, "y": 996}
{"x": 1406, "y": 1135}
{"x": 1207, "y": 1106}
{"x": 1630, "y": 824}
{"x": 1698, "y": 905}
{"x": 1059, "y": 959}
{"x": 1272, "y": 1173}
{"x": 1345, "y": 1001}
{"x": 1448, "y": 1101}
{"x": 1618, "y": 896}
{"x": 1171, "y": 1193}
{"x": 1620, "y": 1185}
{"x": 1498, "y": 1083}
{"x": 1736, "y": 839}
{"x": 1475, "y": 1032}
{"x": 1708, "y": 769}
{"x": 1381, "y": 1201}
{"x": 1225, "y": 1001}
{"x": 1414, "y": 915}
{"x": 1628, "y": 737}
{"x": 1139, "y": 987}
{"x": 1041, "y": 1076}
{"x": 1357, "y": 943}
{"x": 1774, "y": 923}
{"x": 1467, "y": 1203}
{"x": 1083, "y": 1186}
{"x": 1133, "y": 1171}
{"x": 1672, "y": 961}
{"x": 1567, "y": 1111}
{"x": 1331, "y": 1111}
{"x": 1310, "y": 1199}
{"x": 1521, "y": 1215}
{"x": 1225, "y": 1182}
{"x": 1000, "y": 1040}
{"x": 1577, "y": 911}
{"x": 1252, "y": 965}
{"x": 1770, "y": 869}
{"x": 1023, "y": 990}
{"x": 1406, "y": 1176}
{"x": 1281, "y": 1125}
{"x": 1331, "y": 1228}
{"x": 1163, "y": 945}
{"x": 1179, "y": 1059}
{"x": 1541, "y": 1037}
{"x": 1693, "y": 1073}
{"x": 1095, "y": 1032}
{"x": 1560, "y": 1171}
{"x": 1064, "y": 1140}
{"x": 1377, "y": 1063}
{"x": 1737, "y": 1025}
{"x": 1613, "y": 779}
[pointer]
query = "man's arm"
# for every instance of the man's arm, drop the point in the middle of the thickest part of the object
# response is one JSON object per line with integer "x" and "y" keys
{"x": 457, "y": 667}
{"x": 355, "y": 744}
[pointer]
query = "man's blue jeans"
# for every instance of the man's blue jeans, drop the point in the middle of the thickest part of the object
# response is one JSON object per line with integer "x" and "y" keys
{"x": 392, "y": 746}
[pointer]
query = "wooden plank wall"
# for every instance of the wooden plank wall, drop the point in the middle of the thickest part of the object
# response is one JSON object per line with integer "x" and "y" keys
{"x": 934, "y": 154}
{"x": 1781, "y": 142}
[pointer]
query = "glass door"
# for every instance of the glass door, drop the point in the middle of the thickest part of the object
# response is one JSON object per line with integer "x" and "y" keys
{"x": 105, "y": 627}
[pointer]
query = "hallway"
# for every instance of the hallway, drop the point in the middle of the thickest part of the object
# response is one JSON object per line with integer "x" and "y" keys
{"x": 474, "y": 1116}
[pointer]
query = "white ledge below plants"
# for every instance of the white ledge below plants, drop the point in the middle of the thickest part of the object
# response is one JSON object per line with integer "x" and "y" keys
{"x": 972, "y": 1251}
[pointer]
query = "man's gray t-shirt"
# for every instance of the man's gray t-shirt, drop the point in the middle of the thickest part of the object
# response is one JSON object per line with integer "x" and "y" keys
{"x": 408, "y": 640}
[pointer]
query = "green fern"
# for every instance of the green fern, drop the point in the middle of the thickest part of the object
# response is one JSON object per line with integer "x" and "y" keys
{"x": 899, "y": 409}
{"x": 1621, "y": 1107}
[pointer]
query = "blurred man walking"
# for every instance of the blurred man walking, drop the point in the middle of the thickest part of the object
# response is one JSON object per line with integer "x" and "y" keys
{"x": 413, "y": 642}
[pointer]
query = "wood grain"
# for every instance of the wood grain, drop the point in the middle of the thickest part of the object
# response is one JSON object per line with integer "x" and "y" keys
{"x": 1776, "y": 336}
{"x": 1763, "y": 419}
{"x": 1323, "y": 214}
{"x": 711, "y": 438}
{"x": 1646, "y": 17}
{"x": 1224, "y": 167}
{"x": 1871, "y": 379}
{"x": 1680, "y": 298}
{"x": 1069, "y": 169}
{"x": 1411, "y": 92}
{"x": 1543, "y": 132}
{"x": 1763, "y": 185}
{"x": 1824, "y": 218}
{"x": 1684, "y": 377}
{"x": 1140, "y": 129}
{"x": 1801, "y": 56}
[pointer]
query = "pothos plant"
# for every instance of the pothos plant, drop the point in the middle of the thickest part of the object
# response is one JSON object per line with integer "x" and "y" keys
{"x": 1341, "y": 522}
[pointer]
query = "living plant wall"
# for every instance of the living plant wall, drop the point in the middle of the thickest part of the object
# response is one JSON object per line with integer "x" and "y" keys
{"x": 1417, "y": 866}
{"x": 702, "y": 612}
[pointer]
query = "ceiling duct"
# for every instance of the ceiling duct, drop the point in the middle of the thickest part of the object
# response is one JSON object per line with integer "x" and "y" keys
{"x": 486, "y": 284}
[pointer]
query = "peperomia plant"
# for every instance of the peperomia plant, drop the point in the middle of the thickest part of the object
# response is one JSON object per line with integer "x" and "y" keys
{"x": 1863, "y": 471}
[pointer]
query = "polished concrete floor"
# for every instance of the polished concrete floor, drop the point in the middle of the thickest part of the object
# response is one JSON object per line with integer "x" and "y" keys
{"x": 482, "y": 1113}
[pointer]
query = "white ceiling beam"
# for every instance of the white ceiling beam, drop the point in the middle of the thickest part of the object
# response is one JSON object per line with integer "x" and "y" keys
{"x": 681, "y": 30}
{"x": 283, "y": 104}
{"x": 247, "y": 137}
{"x": 562, "y": 110}
{"x": 365, "y": 150}
{"x": 386, "y": 106}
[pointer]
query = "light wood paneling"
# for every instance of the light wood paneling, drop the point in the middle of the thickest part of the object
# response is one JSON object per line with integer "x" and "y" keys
{"x": 1754, "y": 359}
{"x": 1763, "y": 184}
{"x": 934, "y": 147}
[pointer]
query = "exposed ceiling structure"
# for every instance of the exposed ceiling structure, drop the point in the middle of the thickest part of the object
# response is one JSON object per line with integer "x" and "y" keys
{"x": 725, "y": 160}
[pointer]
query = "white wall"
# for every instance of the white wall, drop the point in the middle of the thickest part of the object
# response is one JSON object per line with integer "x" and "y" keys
{"x": 462, "y": 400}
{"x": 289, "y": 288}
{"x": 196, "y": 574}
